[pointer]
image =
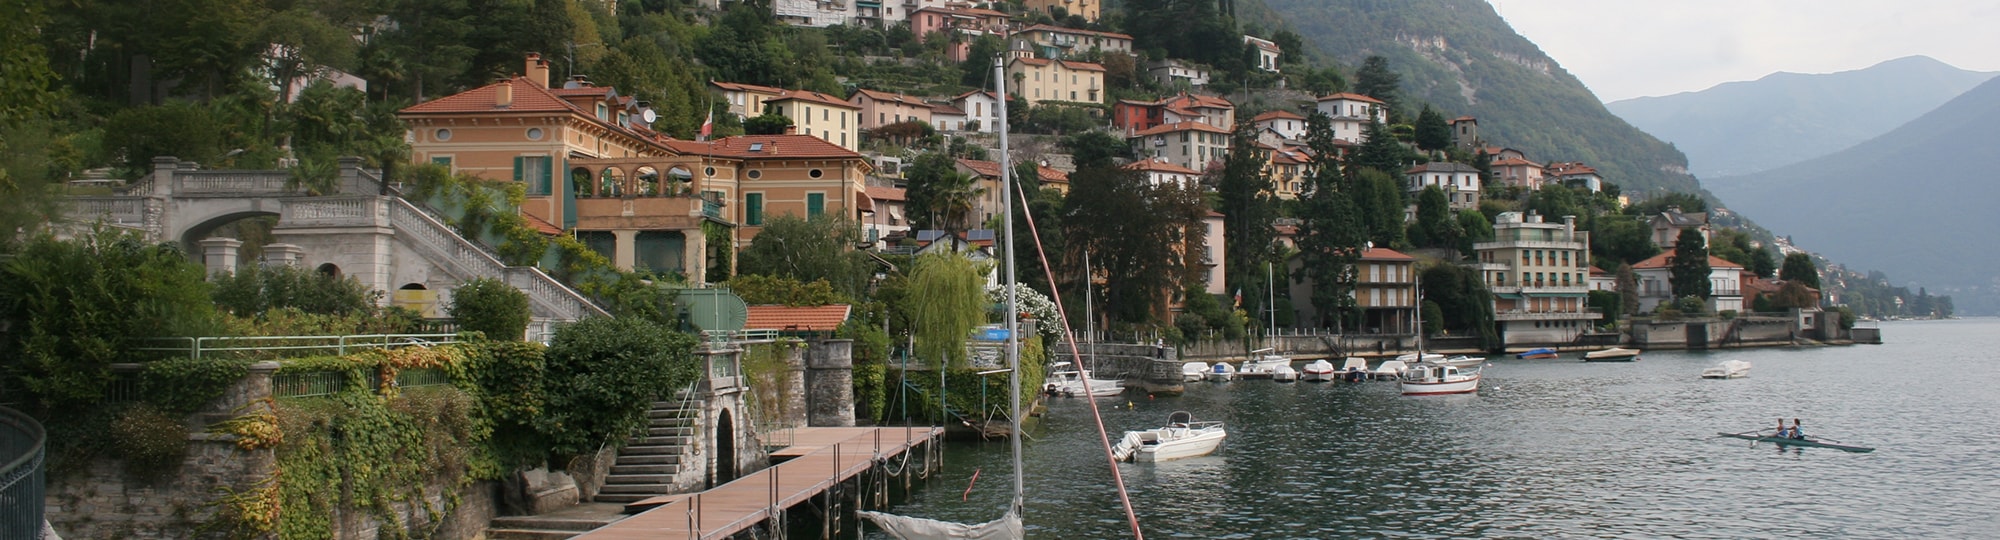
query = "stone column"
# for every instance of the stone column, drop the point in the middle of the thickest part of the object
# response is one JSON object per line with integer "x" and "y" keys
{"x": 798, "y": 401}
{"x": 625, "y": 254}
{"x": 694, "y": 259}
{"x": 219, "y": 254}
{"x": 283, "y": 254}
{"x": 830, "y": 383}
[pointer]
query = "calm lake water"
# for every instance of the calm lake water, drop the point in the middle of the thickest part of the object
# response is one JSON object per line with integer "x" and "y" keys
{"x": 1547, "y": 449}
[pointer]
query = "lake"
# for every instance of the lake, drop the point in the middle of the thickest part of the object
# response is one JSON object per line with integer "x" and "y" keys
{"x": 1547, "y": 449}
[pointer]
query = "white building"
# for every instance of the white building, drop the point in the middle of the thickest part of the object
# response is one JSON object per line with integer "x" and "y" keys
{"x": 1192, "y": 145}
{"x": 1539, "y": 275}
{"x": 1172, "y": 73}
{"x": 1160, "y": 172}
{"x": 982, "y": 107}
{"x": 1267, "y": 52}
{"x": 1287, "y": 124}
{"x": 1350, "y": 114}
{"x": 1655, "y": 276}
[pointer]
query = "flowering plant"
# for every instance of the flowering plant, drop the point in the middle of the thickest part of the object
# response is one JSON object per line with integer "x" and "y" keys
{"x": 1031, "y": 304}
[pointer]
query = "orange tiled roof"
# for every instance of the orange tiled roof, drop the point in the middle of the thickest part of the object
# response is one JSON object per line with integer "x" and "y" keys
{"x": 804, "y": 319}
{"x": 887, "y": 96}
{"x": 1350, "y": 96}
{"x": 1385, "y": 254}
{"x": 740, "y": 87}
{"x": 767, "y": 147}
{"x": 1052, "y": 175}
{"x": 1278, "y": 115}
{"x": 1515, "y": 162}
{"x": 1664, "y": 260}
{"x": 1082, "y": 66}
{"x": 991, "y": 169}
{"x": 528, "y": 97}
{"x": 1160, "y": 166}
{"x": 1178, "y": 127}
{"x": 885, "y": 193}
{"x": 815, "y": 97}
{"x": 989, "y": 95}
{"x": 541, "y": 225}
{"x": 1466, "y": 118}
{"x": 1061, "y": 30}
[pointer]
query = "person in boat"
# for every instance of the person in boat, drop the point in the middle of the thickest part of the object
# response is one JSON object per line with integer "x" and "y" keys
{"x": 1796, "y": 434}
{"x": 1782, "y": 433}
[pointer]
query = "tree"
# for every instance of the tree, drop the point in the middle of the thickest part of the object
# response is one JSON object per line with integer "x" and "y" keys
{"x": 601, "y": 372}
{"x": 1332, "y": 234}
{"x": 1097, "y": 149}
{"x": 1248, "y": 211}
{"x": 1475, "y": 228}
{"x": 1380, "y": 197}
{"x": 1799, "y": 267}
{"x": 1461, "y": 299}
{"x": 1763, "y": 263}
{"x": 810, "y": 249}
{"x": 1628, "y": 289}
{"x": 954, "y": 301}
{"x": 1436, "y": 226}
{"x": 1376, "y": 80}
{"x": 1379, "y": 150}
{"x": 491, "y": 306}
{"x": 767, "y": 124}
{"x": 1433, "y": 132}
{"x": 1138, "y": 231}
{"x": 939, "y": 195}
{"x": 1689, "y": 272}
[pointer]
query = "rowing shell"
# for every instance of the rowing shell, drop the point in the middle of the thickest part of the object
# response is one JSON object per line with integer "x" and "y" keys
{"x": 1797, "y": 442}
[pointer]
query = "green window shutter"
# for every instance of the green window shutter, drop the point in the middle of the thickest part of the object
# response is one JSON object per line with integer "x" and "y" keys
{"x": 815, "y": 204}
{"x": 753, "y": 209}
{"x": 442, "y": 160}
{"x": 542, "y": 179}
{"x": 517, "y": 167}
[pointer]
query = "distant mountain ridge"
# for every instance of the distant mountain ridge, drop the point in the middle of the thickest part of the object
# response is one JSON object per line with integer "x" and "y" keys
{"x": 1459, "y": 55}
{"x": 1916, "y": 202}
{"x": 1740, "y": 128}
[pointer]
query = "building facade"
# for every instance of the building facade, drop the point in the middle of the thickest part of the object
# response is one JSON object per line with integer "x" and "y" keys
{"x": 1193, "y": 145}
{"x": 1040, "y": 80}
{"x": 1460, "y": 183}
{"x": 820, "y": 115}
{"x": 1539, "y": 274}
{"x": 1349, "y": 115}
{"x": 1655, "y": 276}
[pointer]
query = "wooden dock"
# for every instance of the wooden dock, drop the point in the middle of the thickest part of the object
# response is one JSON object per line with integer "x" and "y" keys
{"x": 818, "y": 459}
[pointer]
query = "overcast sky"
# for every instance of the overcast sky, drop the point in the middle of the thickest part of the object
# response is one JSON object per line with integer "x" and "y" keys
{"x": 1631, "y": 48}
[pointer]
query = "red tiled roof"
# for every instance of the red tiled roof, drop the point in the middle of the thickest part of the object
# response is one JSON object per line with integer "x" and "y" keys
{"x": 1082, "y": 66}
{"x": 1385, "y": 254}
{"x": 740, "y": 87}
{"x": 528, "y": 97}
{"x": 1178, "y": 127}
{"x": 772, "y": 147}
{"x": 1185, "y": 99}
{"x": 541, "y": 225}
{"x": 970, "y": 12}
{"x": 991, "y": 169}
{"x": 1061, "y": 30}
{"x": 1052, "y": 175}
{"x": 1513, "y": 162}
{"x": 1160, "y": 166}
{"x": 1032, "y": 61}
{"x": 940, "y": 109}
{"x": 1467, "y": 118}
{"x": 989, "y": 94}
{"x": 884, "y": 193}
{"x": 887, "y": 96}
{"x": 1350, "y": 96}
{"x": 1664, "y": 260}
{"x": 805, "y": 319}
{"x": 1212, "y": 213}
{"x": 816, "y": 97}
{"x": 1278, "y": 115}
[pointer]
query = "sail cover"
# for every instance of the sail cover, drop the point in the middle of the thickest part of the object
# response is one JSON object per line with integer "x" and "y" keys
{"x": 1008, "y": 527}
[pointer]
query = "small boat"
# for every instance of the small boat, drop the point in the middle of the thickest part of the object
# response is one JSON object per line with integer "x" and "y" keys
{"x": 1263, "y": 364}
{"x": 1614, "y": 354}
{"x": 1317, "y": 371}
{"x": 1354, "y": 370}
{"x": 1537, "y": 354}
{"x": 1389, "y": 370}
{"x": 1194, "y": 371}
{"x": 1413, "y": 358}
{"x": 1431, "y": 379}
{"x": 1181, "y": 438}
{"x": 1809, "y": 440}
{"x": 1063, "y": 381}
{"x": 1461, "y": 361}
{"x": 1285, "y": 374}
{"x": 1731, "y": 369}
{"x": 1221, "y": 372}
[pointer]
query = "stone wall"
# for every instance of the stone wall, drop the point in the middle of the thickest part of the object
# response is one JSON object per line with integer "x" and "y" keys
{"x": 829, "y": 383}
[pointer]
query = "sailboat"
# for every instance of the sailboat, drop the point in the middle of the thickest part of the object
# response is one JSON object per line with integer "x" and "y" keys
{"x": 1425, "y": 378}
{"x": 1266, "y": 362}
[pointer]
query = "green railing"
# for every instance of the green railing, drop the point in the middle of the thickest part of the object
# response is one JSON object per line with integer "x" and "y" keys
{"x": 293, "y": 346}
{"x": 307, "y": 383}
{"x": 22, "y": 480}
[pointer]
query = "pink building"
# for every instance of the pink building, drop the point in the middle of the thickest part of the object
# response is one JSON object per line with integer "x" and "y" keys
{"x": 882, "y": 108}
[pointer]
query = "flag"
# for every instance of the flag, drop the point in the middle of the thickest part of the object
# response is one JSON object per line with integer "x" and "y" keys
{"x": 1239, "y": 297}
{"x": 708, "y": 126}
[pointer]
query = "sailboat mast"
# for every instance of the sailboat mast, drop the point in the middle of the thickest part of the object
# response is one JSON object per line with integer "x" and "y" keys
{"x": 1013, "y": 286}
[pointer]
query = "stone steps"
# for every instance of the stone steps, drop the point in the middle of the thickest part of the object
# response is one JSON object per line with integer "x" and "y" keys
{"x": 647, "y": 467}
{"x": 542, "y": 527}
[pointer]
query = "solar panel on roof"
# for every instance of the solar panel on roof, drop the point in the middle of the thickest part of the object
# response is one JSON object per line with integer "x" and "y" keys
{"x": 756, "y": 147}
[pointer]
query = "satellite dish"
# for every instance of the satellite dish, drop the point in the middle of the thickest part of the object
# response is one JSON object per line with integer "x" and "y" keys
{"x": 648, "y": 115}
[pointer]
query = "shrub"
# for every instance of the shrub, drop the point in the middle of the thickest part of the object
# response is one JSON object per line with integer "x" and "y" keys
{"x": 602, "y": 373}
{"x": 491, "y": 306}
{"x": 151, "y": 442}
{"x": 255, "y": 289}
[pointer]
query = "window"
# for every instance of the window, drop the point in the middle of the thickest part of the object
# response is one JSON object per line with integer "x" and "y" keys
{"x": 815, "y": 173}
{"x": 755, "y": 174}
{"x": 753, "y": 209}
{"x": 534, "y": 134}
{"x": 815, "y": 204}
{"x": 442, "y": 160}
{"x": 534, "y": 172}
{"x": 443, "y": 135}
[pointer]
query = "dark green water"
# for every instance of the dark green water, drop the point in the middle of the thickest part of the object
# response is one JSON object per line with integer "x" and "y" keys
{"x": 1548, "y": 449}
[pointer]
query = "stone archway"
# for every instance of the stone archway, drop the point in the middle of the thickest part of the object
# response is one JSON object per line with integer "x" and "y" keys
{"x": 725, "y": 449}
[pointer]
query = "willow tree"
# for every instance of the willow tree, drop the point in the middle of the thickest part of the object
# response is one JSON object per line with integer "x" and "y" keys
{"x": 948, "y": 300}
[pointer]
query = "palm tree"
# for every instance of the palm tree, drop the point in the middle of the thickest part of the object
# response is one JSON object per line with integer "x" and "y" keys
{"x": 957, "y": 195}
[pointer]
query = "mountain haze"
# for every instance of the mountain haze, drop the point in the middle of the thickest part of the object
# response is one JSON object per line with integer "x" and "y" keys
{"x": 1745, "y": 127}
{"x": 1916, "y": 202}
{"x": 1460, "y": 56}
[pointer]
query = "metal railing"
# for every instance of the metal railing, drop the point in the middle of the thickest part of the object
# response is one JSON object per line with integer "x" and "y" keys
{"x": 22, "y": 447}
{"x": 289, "y": 346}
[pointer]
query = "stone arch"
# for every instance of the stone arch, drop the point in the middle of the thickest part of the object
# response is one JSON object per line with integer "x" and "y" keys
{"x": 611, "y": 182}
{"x": 202, "y": 225}
{"x": 581, "y": 182}
{"x": 680, "y": 182}
{"x": 646, "y": 181}
{"x": 725, "y": 449}
{"x": 329, "y": 270}
{"x": 417, "y": 297}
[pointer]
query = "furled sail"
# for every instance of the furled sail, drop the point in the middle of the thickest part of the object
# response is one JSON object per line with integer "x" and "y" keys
{"x": 1008, "y": 527}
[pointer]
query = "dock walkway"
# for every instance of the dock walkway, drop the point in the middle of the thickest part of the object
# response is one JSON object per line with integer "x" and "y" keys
{"x": 818, "y": 459}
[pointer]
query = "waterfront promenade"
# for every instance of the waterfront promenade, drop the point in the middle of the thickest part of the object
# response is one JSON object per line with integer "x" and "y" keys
{"x": 818, "y": 459}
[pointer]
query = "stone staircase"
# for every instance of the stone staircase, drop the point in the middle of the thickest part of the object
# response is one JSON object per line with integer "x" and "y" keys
{"x": 649, "y": 464}
{"x": 560, "y": 525}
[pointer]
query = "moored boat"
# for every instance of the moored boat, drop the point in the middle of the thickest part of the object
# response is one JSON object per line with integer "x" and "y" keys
{"x": 1064, "y": 381}
{"x": 1193, "y": 371}
{"x": 1537, "y": 354}
{"x": 1809, "y": 441}
{"x": 1263, "y": 364}
{"x": 1461, "y": 361}
{"x": 1389, "y": 370}
{"x": 1354, "y": 370}
{"x": 1182, "y": 437}
{"x": 1221, "y": 371}
{"x": 1432, "y": 379}
{"x": 1285, "y": 374}
{"x": 1730, "y": 369}
{"x": 1317, "y": 371}
{"x": 1614, "y": 354}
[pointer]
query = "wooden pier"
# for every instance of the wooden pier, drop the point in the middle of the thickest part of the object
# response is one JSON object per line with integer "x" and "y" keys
{"x": 819, "y": 459}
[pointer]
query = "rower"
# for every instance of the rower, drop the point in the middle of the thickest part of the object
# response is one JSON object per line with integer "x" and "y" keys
{"x": 1781, "y": 430}
{"x": 1796, "y": 434}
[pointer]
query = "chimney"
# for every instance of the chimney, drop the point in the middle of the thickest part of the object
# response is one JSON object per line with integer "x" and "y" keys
{"x": 538, "y": 69}
{"x": 792, "y": 129}
{"x": 503, "y": 94}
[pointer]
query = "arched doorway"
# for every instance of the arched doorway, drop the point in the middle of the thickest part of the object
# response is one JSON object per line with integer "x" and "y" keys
{"x": 725, "y": 450}
{"x": 329, "y": 270}
{"x": 418, "y": 298}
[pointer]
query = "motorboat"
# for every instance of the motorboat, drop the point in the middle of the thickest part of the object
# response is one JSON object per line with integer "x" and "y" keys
{"x": 1264, "y": 363}
{"x": 1317, "y": 371}
{"x": 1194, "y": 371}
{"x": 1437, "y": 379}
{"x": 1537, "y": 354}
{"x": 1221, "y": 372}
{"x": 1354, "y": 369}
{"x": 1461, "y": 361}
{"x": 1389, "y": 370}
{"x": 1614, "y": 354}
{"x": 1730, "y": 369}
{"x": 1414, "y": 358}
{"x": 1284, "y": 374}
{"x": 1063, "y": 381}
{"x": 1182, "y": 437}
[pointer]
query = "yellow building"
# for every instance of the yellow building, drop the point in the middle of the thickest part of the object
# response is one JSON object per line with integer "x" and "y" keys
{"x": 1090, "y": 10}
{"x": 820, "y": 115}
{"x": 1040, "y": 80}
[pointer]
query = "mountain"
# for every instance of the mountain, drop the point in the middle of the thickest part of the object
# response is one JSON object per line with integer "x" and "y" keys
{"x": 1745, "y": 127}
{"x": 1460, "y": 56}
{"x": 1916, "y": 202}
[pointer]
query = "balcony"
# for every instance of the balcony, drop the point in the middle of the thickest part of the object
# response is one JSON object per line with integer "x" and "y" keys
{"x": 1525, "y": 315}
{"x": 1530, "y": 244}
{"x": 1541, "y": 288}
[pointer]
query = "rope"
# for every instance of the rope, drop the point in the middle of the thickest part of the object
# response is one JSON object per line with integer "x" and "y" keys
{"x": 1124, "y": 497}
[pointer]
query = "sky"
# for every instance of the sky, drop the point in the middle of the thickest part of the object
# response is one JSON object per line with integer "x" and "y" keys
{"x": 1624, "y": 49}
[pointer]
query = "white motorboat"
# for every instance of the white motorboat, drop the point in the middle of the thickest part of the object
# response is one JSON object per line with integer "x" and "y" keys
{"x": 1285, "y": 374}
{"x": 1434, "y": 379}
{"x": 1462, "y": 361}
{"x": 1221, "y": 372}
{"x": 1731, "y": 369}
{"x": 1063, "y": 381}
{"x": 1194, "y": 371}
{"x": 1413, "y": 358}
{"x": 1182, "y": 437}
{"x": 1263, "y": 363}
{"x": 1354, "y": 369}
{"x": 1389, "y": 370}
{"x": 1614, "y": 354}
{"x": 1317, "y": 371}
